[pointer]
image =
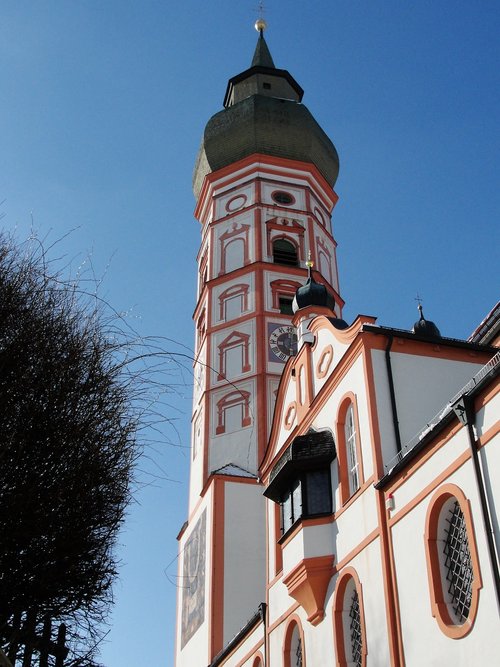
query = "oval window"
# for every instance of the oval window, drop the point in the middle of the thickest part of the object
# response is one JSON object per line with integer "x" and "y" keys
{"x": 284, "y": 198}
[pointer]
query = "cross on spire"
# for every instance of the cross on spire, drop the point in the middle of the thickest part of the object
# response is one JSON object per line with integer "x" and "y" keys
{"x": 260, "y": 23}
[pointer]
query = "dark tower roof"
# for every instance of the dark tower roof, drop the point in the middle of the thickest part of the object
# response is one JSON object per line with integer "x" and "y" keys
{"x": 263, "y": 114}
{"x": 262, "y": 56}
{"x": 312, "y": 294}
{"x": 425, "y": 328}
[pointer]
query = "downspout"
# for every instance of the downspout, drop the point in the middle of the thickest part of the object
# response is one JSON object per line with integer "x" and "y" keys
{"x": 263, "y": 615}
{"x": 464, "y": 409}
{"x": 395, "y": 421}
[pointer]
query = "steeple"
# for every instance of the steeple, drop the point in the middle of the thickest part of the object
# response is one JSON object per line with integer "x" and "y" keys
{"x": 262, "y": 56}
{"x": 264, "y": 182}
{"x": 262, "y": 104}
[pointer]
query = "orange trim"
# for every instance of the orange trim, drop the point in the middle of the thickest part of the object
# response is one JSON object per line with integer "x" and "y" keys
{"x": 424, "y": 349}
{"x": 216, "y": 626}
{"x": 308, "y": 582}
{"x": 248, "y": 655}
{"x": 294, "y": 622}
{"x": 442, "y": 477}
{"x": 258, "y": 661}
{"x": 284, "y": 617}
{"x": 439, "y": 605}
{"x": 413, "y": 466}
{"x": 349, "y": 399}
{"x": 290, "y": 416}
{"x": 278, "y": 548}
{"x": 391, "y": 597}
{"x": 263, "y": 163}
{"x": 358, "y": 549}
{"x": 489, "y": 434}
{"x": 367, "y": 483}
{"x": 349, "y": 574}
{"x": 485, "y": 396}
{"x": 324, "y": 362}
{"x": 341, "y": 370}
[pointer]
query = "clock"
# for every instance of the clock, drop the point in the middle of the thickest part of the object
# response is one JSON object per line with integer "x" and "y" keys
{"x": 282, "y": 341}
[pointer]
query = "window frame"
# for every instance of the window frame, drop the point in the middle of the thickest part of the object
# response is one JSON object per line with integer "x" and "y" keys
{"x": 440, "y": 602}
{"x": 292, "y": 244}
{"x": 301, "y": 481}
{"x": 346, "y": 493}
{"x": 293, "y": 623}
{"x": 347, "y": 576}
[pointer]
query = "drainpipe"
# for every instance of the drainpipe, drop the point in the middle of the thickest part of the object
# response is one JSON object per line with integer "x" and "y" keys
{"x": 395, "y": 421}
{"x": 263, "y": 616}
{"x": 464, "y": 409}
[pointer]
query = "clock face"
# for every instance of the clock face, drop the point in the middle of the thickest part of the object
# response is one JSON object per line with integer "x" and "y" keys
{"x": 282, "y": 342}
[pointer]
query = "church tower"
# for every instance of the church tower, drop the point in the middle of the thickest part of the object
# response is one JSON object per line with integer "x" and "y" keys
{"x": 263, "y": 181}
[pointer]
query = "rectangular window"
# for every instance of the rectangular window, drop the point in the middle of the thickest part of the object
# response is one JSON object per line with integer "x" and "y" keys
{"x": 291, "y": 506}
{"x": 309, "y": 495}
{"x": 319, "y": 494}
{"x": 285, "y": 305}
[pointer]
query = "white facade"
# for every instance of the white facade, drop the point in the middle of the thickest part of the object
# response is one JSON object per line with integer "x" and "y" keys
{"x": 340, "y": 506}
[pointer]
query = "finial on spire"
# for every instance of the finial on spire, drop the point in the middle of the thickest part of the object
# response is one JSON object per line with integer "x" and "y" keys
{"x": 419, "y": 306}
{"x": 260, "y": 24}
{"x": 309, "y": 264}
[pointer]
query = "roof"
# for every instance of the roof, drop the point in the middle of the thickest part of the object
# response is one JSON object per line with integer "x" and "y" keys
{"x": 263, "y": 115}
{"x": 489, "y": 329}
{"x": 489, "y": 372}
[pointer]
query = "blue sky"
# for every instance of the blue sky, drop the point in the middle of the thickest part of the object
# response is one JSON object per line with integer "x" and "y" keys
{"x": 103, "y": 105}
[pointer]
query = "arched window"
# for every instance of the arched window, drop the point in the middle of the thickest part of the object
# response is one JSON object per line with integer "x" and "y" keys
{"x": 452, "y": 561}
{"x": 352, "y": 456}
{"x": 293, "y": 649}
{"x": 349, "y": 455}
{"x": 285, "y": 252}
{"x": 348, "y": 621}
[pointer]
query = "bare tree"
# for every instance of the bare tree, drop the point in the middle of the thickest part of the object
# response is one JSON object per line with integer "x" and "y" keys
{"x": 70, "y": 411}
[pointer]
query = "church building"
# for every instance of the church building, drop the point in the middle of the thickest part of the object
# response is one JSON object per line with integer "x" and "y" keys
{"x": 343, "y": 475}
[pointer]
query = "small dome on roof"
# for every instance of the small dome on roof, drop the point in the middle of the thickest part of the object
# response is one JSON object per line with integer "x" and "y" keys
{"x": 312, "y": 294}
{"x": 426, "y": 328}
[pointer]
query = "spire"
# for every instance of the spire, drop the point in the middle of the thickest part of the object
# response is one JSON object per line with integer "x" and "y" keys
{"x": 262, "y": 56}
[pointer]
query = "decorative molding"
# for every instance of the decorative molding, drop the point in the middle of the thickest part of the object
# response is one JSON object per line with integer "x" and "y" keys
{"x": 308, "y": 582}
{"x": 324, "y": 362}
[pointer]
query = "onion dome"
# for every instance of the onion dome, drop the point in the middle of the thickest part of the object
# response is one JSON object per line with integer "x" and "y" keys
{"x": 263, "y": 114}
{"x": 424, "y": 327}
{"x": 312, "y": 294}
